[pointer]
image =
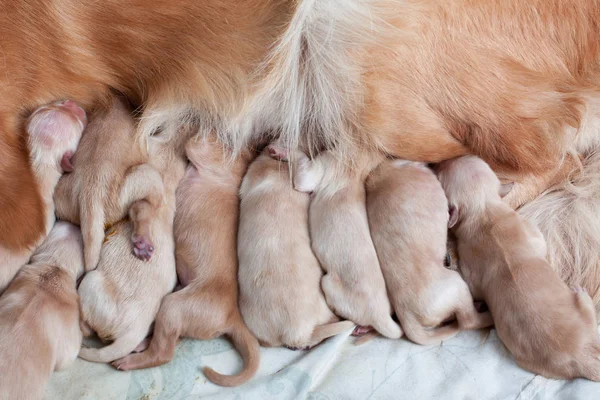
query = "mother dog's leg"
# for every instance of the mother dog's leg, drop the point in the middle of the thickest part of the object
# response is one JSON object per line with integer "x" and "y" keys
{"x": 22, "y": 219}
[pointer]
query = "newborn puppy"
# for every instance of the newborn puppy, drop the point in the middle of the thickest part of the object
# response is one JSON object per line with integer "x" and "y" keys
{"x": 121, "y": 297}
{"x": 279, "y": 277}
{"x": 339, "y": 230}
{"x": 53, "y": 134}
{"x": 39, "y": 316}
{"x": 205, "y": 230}
{"x": 550, "y": 329}
{"x": 408, "y": 217}
{"x": 111, "y": 174}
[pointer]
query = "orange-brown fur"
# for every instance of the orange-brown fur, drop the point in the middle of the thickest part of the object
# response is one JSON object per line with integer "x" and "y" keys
{"x": 504, "y": 80}
{"x": 549, "y": 329}
{"x": 205, "y": 230}
{"x": 39, "y": 316}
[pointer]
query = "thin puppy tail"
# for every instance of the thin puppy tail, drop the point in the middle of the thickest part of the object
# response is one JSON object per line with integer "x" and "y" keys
{"x": 387, "y": 327}
{"x": 117, "y": 349}
{"x": 418, "y": 334}
{"x": 248, "y": 346}
{"x": 323, "y": 332}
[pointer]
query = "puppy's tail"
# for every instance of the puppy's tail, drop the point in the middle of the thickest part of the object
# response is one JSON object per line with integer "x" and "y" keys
{"x": 323, "y": 332}
{"x": 387, "y": 327}
{"x": 248, "y": 346}
{"x": 420, "y": 335}
{"x": 117, "y": 349}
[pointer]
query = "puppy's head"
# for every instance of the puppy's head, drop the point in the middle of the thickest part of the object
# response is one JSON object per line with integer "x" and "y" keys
{"x": 469, "y": 183}
{"x": 53, "y": 134}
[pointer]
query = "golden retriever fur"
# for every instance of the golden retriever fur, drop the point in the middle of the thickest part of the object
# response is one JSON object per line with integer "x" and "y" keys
{"x": 53, "y": 132}
{"x": 353, "y": 283}
{"x": 121, "y": 297}
{"x": 111, "y": 172}
{"x": 550, "y": 329}
{"x": 408, "y": 219}
{"x": 422, "y": 80}
{"x": 276, "y": 263}
{"x": 205, "y": 230}
{"x": 39, "y": 316}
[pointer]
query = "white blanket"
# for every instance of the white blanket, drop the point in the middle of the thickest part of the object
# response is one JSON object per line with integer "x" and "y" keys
{"x": 469, "y": 366}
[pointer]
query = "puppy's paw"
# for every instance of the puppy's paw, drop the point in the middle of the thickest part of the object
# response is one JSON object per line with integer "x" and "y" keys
{"x": 142, "y": 247}
{"x": 361, "y": 330}
{"x": 123, "y": 364}
{"x": 278, "y": 153}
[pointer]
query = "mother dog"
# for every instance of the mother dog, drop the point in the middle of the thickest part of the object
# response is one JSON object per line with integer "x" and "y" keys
{"x": 513, "y": 82}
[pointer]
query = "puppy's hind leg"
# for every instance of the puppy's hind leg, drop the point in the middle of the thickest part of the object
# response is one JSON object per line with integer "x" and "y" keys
{"x": 167, "y": 329}
{"x": 142, "y": 214}
{"x": 142, "y": 193}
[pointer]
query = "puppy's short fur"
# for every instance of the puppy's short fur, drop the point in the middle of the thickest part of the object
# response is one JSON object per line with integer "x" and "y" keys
{"x": 550, "y": 329}
{"x": 205, "y": 231}
{"x": 39, "y": 316}
{"x": 408, "y": 218}
{"x": 111, "y": 173}
{"x": 353, "y": 284}
{"x": 279, "y": 277}
{"x": 121, "y": 297}
{"x": 53, "y": 135}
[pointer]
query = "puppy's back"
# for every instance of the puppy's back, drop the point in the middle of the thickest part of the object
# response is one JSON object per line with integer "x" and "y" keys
{"x": 39, "y": 328}
{"x": 276, "y": 265}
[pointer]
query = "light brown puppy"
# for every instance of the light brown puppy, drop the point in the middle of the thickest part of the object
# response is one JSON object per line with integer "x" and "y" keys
{"x": 408, "y": 218}
{"x": 121, "y": 297}
{"x": 205, "y": 231}
{"x": 550, "y": 329}
{"x": 353, "y": 284}
{"x": 53, "y": 135}
{"x": 111, "y": 173}
{"x": 279, "y": 276}
{"x": 39, "y": 316}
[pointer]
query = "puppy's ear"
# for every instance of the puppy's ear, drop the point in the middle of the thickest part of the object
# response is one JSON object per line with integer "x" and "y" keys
{"x": 506, "y": 188}
{"x": 454, "y": 214}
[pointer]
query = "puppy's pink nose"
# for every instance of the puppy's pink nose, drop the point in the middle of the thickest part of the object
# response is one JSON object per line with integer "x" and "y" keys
{"x": 74, "y": 109}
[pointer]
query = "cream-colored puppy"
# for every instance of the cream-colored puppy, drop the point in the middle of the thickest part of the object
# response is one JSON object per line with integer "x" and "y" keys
{"x": 111, "y": 173}
{"x": 550, "y": 329}
{"x": 353, "y": 284}
{"x": 120, "y": 298}
{"x": 39, "y": 316}
{"x": 279, "y": 276}
{"x": 53, "y": 133}
{"x": 408, "y": 217}
{"x": 205, "y": 230}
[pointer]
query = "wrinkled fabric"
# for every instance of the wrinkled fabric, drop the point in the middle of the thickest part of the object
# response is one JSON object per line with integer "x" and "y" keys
{"x": 471, "y": 365}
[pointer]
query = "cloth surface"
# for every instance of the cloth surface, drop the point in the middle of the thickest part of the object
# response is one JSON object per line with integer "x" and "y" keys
{"x": 471, "y": 365}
